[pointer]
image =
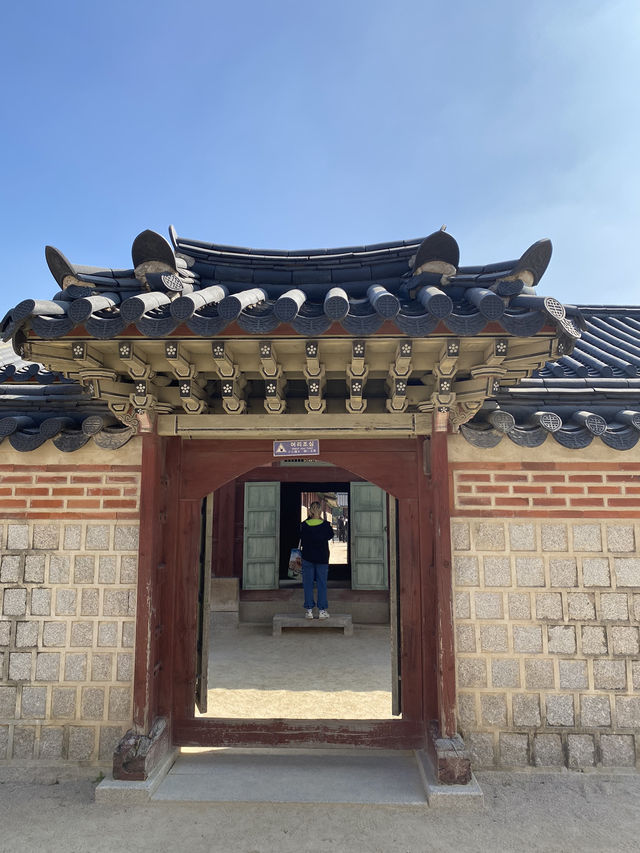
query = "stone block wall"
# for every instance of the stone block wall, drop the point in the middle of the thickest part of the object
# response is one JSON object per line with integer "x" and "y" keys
{"x": 68, "y": 578}
{"x": 547, "y": 615}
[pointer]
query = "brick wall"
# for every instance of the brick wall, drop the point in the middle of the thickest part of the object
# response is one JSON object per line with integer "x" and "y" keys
{"x": 68, "y": 577}
{"x": 547, "y": 610}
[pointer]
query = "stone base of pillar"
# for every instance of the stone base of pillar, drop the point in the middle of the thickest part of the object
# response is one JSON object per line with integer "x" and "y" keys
{"x": 136, "y": 756}
{"x": 449, "y": 757}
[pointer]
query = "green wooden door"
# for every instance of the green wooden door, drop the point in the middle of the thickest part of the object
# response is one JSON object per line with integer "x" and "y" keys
{"x": 368, "y": 536}
{"x": 261, "y": 536}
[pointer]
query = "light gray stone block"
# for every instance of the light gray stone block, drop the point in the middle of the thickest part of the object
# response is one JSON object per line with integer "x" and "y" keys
{"x": 562, "y": 639}
{"x": 8, "y": 696}
{"x": 5, "y": 632}
{"x": 132, "y": 602}
{"x": 573, "y": 674}
{"x": 84, "y": 569}
{"x": 594, "y": 640}
{"x": 488, "y": 536}
{"x": 92, "y": 707}
{"x": 101, "y": 667}
{"x": 124, "y": 667}
{"x": 63, "y": 703}
{"x": 627, "y": 570}
{"x": 97, "y": 538}
{"x": 72, "y": 537}
{"x": 34, "y": 565}
{"x": 609, "y": 674}
{"x": 466, "y": 570}
{"x": 125, "y": 538}
{"x": 497, "y": 571}
{"x": 465, "y": 638}
{"x": 46, "y": 537}
{"x": 514, "y": 750}
{"x": 54, "y": 634}
{"x": 108, "y": 634}
{"x": 34, "y": 701}
{"x": 26, "y": 635}
{"x": 89, "y": 602}
{"x": 493, "y": 709}
{"x": 75, "y": 667}
{"x": 581, "y": 751}
{"x": 128, "y": 635}
{"x": 20, "y": 666}
{"x": 24, "y": 738}
{"x": 539, "y": 674}
{"x": 560, "y": 710}
{"x": 554, "y": 537}
{"x": 614, "y": 606}
{"x": 549, "y": 605}
{"x": 48, "y": 666}
{"x": 59, "y": 568}
{"x": 81, "y": 743}
{"x": 116, "y": 602}
{"x": 617, "y": 750}
{"x": 481, "y": 749}
{"x": 596, "y": 571}
{"x": 40, "y": 602}
{"x": 462, "y": 604}
{"x": 581, "y": 606}
{"x": 51, "y": 743}
{"x": 17, "y": 537}
{"x": 488, "y": 605}
{"x": 106, "y": 570}
{"x": 628, "y": 711}
{"x": 493, "y": 638}
{"x": 128, "y": 569}
{"x": 472, "y": 672}
{"x": 4, "y": 741}
{"x": 460, "y": 537}
{"x": 620, "y": 538}
{"x": 109, "y": 738}
{"x": 467, "y": 710}
{"x": 81, "y": 634}
{"x": 519, "y": 605}
{"x": 505, "y": 672}
{"x": 11, "y": 570}
{"x": 522, "y": 537}
{"x": 624, "y": 640}
{"x": 120, "y": 703}
{"x": 547, "y": 750}
{"x": 527, "y": 638}
{"x": 526, "y": 709}
{"x": 587, "y": 537}
{"x": 595, "y": 711}
{"x": 15, "y": 601}
{"x": 529, "y": 571}
{"x": 563, "y": 572}
{"x": 636, "y": 607}
{"x": 66, "y": 602}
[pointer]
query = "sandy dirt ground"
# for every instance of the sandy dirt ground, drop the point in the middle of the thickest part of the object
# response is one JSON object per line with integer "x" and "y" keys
{"x": 524, "y": 812}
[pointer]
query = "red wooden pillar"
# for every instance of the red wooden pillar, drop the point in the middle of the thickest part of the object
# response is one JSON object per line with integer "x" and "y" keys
{"x": 443, "y": 582}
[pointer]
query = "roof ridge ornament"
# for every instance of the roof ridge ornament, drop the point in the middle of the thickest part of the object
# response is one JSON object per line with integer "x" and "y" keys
{"x": 438, "y": 253}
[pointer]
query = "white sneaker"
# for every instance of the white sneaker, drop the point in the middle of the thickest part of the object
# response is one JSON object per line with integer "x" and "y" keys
{"x": 324, "y": 614}
{"x": 308, "y": 614}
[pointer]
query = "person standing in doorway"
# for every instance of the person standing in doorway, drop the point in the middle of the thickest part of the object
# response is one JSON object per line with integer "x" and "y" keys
{"x": 315, "y": 535}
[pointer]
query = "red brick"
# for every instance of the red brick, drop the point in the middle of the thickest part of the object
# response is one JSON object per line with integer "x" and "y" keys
{"x": 474, "y": 501}
{"x": 46, "y": 503}
{"x": 585, "y": 478}
{"x": 18, "y": 478}
{"x": 104, "y": 492}
{"x": 624, "y": 501}
{"x": 511, "y": 478}
{"x": 7, "y": 504}
{"x": 622, "y": 478}
{"x": 549, "y": 502}
{"x": 548, "y": 478}
{"x": 474, "y": 478}
{"x": 587, "y": 501}
{"x": 511, "y": 502}
{"x": 531, "y": 490}
{"x": 112, "y": 478}
{"x": 603, "y": 490}
{"x": 7, "y": 491}
{"x": 84, "y": 478}
{"x": 134, "y": 490}
{"x": 632, "y": 490}
{"x": 31, "y": 490}
{"x": 482, "y": 490}
{"x": 85, "y": 503}
{"x": 567, "y": 490}
{"x": 120, "y": 503}
{"x": 67, "y": 490}
{"x": 462, "y": 490}
{"x": 50, "y": 478}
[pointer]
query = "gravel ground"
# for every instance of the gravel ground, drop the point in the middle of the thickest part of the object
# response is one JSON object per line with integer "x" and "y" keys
{"x": 524, "y": 811}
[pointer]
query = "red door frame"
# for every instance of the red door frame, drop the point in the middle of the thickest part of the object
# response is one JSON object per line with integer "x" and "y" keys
{"x": 177, "y": 474}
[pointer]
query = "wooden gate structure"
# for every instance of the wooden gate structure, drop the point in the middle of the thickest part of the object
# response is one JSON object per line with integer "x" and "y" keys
{"x": 212, "y": 352}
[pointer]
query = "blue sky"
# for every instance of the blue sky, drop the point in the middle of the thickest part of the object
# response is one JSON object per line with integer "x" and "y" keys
{"x": 293, "y": 124}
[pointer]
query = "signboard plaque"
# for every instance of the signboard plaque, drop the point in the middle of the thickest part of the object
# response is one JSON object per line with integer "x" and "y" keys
{"x": 298, "y": 447}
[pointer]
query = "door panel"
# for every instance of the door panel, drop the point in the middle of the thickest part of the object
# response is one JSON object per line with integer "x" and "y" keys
{"x": 261, "y": 535}
{"x": 368, "y": 535}
{"x": 204, "y": 607}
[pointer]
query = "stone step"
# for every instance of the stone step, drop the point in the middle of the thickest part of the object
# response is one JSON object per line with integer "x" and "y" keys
{"x": 287, "y": 620}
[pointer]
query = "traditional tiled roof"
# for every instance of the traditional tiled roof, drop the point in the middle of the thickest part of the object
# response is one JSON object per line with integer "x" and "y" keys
{"x": 415, "y": 286}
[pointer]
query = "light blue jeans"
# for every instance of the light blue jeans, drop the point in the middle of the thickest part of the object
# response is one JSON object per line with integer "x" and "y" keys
{"x": 318, "y": 573}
